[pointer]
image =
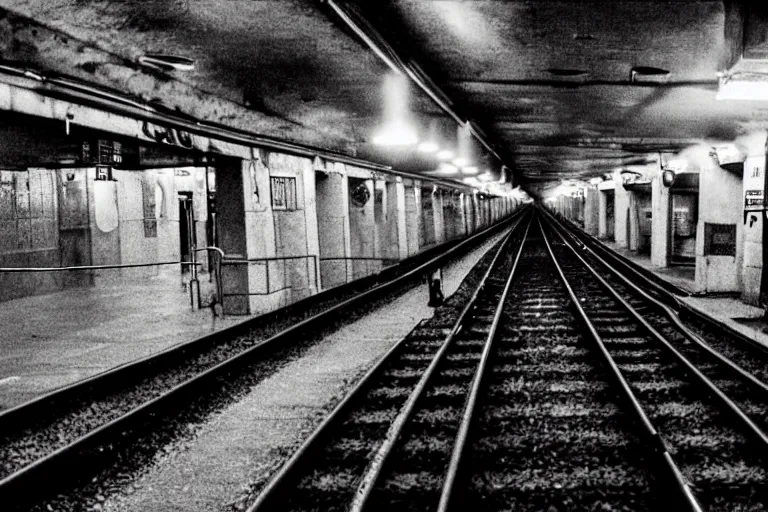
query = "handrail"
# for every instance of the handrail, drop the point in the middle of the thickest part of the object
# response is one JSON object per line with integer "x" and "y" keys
{"x": 11, "y": 270}
{"x": 267, "y": 260}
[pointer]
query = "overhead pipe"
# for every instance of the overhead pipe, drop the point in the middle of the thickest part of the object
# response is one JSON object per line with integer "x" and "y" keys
{"x": 371, "y": 37}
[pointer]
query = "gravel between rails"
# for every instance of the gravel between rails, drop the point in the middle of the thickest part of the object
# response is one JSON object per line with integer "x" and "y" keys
{"x": 328, "y": 480}
{"x": 753, "y": 360}
{"x": 65, "y": 422}
{"x": 550, "y": 434}
{"x": 414, "y": 476}
{"x": 120, "y": 464}
{"x": 710, "y": 449}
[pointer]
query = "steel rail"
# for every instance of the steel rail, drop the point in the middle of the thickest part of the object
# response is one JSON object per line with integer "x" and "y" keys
{"x": 657, "y": 443}
{"x": 672, "y": 316}
{"x": 121, "y": 373}
{"x": 31, "y": 475}
{"x": 755, "y": 431}
{"x": 379, "y": 460}
{"x": 672, "y": 299}
{"x": 309, "y": 446}
{"x": 664, "y": 288}
{"x": 460, "y": 444}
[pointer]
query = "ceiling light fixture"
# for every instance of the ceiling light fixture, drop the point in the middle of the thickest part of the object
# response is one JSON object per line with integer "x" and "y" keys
{"x": 460, "y": 162}
{"x": 445, "y": 154}
{"x": 470, "y": 170}
{"x": 446, "y": 168}
{"x": 428, "y": 147}
{"x": 397, "y": 129}
{"x": 567, "y": 72}
{"x": 644, "y": 73}
{"x": 167, "y": 62}
{"x": 743, "y": 87}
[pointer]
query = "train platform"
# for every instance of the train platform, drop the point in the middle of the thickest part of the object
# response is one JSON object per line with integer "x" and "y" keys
{"x": 52, "y": 340}
{"x": 250, "y": 437}
{"x": 681, "y": 276}
{"x": 743, "y": 318}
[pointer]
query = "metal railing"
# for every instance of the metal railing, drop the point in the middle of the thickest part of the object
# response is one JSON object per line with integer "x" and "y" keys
{"x": 385, "y": 262}
{"x": 310, "y": 263}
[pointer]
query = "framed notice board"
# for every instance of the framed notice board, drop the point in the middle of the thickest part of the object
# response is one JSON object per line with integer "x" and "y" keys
{"x": 719, "y": 239}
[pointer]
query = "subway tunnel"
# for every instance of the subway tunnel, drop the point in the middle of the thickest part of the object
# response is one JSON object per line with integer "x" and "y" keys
{"x": 349, "y": 255}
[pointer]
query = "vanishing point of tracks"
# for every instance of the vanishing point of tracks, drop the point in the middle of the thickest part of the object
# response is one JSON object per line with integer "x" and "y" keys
{"x": 554, "y": 389}
{"x": 558, "y": 385}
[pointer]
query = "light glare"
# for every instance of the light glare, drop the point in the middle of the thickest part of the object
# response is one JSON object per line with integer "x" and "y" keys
{"x": 428, "y": 147}
{"x": 445, "y": 154}
{"x": 742, "y": 90}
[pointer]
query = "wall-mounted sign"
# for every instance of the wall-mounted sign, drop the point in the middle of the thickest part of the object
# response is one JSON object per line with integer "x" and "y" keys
{"x": 754, "y": 200}
{"x": 167, "y": 135}
{"x": 719, "y": 239}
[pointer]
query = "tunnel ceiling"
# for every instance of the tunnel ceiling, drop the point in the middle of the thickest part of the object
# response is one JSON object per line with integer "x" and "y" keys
{"x": 550, "y": 82}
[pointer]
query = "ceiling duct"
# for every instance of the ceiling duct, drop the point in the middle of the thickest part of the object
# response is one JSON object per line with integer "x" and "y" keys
{"x": 747, "y": 77}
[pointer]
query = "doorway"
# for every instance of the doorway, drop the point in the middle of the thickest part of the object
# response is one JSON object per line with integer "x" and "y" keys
{"x": 187, "y": 238}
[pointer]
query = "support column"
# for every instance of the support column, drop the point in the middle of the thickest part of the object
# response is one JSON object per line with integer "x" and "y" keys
{"x": 633, "y": 241}
{"x": 412, "y": 194}
{"x": 592, "y": 211}
{"x": 661, "y": 204}
{"x": 362, "y": 227}
{"x": 397, "y": 215}
{"x": 621, "y": 212}
{"x": 718, "y": 267}
{"x": 439, "y": 216}
{"x": 333, "y": 225}
{"x": 754, "y": 220}
{"x": 602, "y": 213}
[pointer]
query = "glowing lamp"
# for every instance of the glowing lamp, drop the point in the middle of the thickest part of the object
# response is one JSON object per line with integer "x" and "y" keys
{"x": 428, "y": 147}
{"x": 470, "y": 170}
{"x": 743, "y": 90}
{"x": 444, "y": 154}
{"x": 396, "y": 135}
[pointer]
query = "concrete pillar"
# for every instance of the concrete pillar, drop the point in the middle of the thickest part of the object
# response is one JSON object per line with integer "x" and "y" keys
{"x": 753, "y": 218}
{"x": 362, "y": 230}
{"x": 438, "y": 216}
{"x": 397, "y": 215}
{"x": 718, "y": 257}
{"x": 470, "y": 212}
{"x": 633, "y": 227}
{"x": 477, "y": 212}
{"x": 245, "y": 231}
{"x": 621, "y": 213}
{"x": 592, "y": 210}
{"x": 661, "y": 205}
{"x": 460, "y": 220}
{"x": 412, "y": 193}
{"x": 333, "y": 225}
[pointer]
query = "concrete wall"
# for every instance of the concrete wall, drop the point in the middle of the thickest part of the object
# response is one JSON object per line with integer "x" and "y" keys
{"x": 67, "y": 218}
{"x": 592, "y": 211}
{"x": 296, "y": 231}
{"x": 661, "y": 204}
{"x": 754, "y": 179}
{"x": 720, "y": 194}
{"x": 413, "y": 219}
{"x": 362, "y": 231}
{"x": 333, "y": 225}
{"x": 29, "y": 231}
{"x": 621, "y": 213}
{"x": 607, "y": 211}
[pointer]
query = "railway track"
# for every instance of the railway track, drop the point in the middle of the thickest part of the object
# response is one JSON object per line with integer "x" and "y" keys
{"x": 549, "y": 393}
{"x": 63, "y": 439}
{"x": 705, "y": 409}
{"x": 494, "y": 388}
